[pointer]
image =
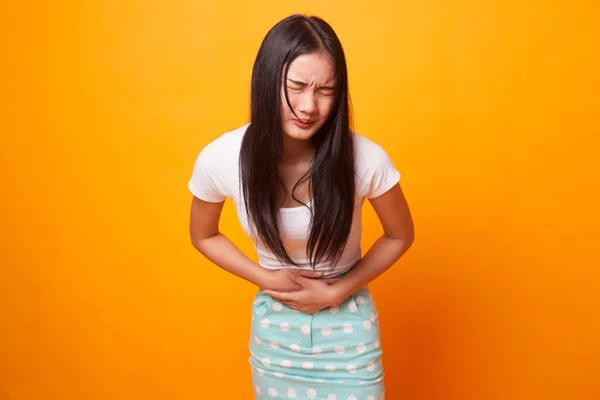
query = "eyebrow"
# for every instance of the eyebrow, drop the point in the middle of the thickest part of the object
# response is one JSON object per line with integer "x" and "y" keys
{"x": 304, "y": 84}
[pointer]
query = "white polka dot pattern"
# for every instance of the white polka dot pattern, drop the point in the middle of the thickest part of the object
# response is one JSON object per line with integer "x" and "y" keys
{"x": 334, "y": 354}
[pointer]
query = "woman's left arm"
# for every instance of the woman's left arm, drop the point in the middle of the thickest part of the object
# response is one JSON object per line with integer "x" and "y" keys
{"x": 398, "y": 235}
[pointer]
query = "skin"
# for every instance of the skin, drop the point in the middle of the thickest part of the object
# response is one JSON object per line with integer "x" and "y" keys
{"x": 310, "y": 82}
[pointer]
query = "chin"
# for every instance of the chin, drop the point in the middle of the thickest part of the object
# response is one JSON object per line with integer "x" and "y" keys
{"x": 294, "y": 132}
{"x": 299, "y": 135}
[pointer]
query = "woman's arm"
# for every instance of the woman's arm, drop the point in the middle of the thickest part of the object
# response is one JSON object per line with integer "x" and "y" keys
{"x": 398, "y": 235}
{"x": 206, "y": 238}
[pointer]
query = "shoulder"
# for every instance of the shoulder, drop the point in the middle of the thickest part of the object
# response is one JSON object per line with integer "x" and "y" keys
{"x": 375, "y": 171}
{"x": 214, "y": 176}
{"x": 225, "y": 146}
{"x": 368, "y": 153}
{"x": 220, "y": 156}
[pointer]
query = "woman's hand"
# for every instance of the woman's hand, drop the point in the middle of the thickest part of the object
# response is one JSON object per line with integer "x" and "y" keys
{"x": 281, "y": 281}
{"x": 313, "y": 295}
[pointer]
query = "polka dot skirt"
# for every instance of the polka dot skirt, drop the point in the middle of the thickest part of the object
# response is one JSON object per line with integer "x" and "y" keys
{"x": 332, "y": 355}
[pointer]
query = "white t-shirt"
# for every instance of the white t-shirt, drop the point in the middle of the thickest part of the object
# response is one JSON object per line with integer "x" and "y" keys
{"x": 216, "y": 177}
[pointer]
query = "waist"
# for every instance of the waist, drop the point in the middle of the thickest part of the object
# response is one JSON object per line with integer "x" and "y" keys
{"x": 328, "y": 273}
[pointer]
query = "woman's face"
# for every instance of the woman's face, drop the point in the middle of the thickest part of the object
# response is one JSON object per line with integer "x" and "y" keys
{"x": 310, "y": 82}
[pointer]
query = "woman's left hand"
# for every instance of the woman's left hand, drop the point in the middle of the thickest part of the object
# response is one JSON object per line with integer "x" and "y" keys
{"x": 314, "y": 296}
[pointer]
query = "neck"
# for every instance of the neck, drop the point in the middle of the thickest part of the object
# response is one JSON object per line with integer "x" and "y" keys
{"x": 296, "y": 150}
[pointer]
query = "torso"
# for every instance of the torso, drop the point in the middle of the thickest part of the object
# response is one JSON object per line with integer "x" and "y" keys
{"x": 221, "y": 157}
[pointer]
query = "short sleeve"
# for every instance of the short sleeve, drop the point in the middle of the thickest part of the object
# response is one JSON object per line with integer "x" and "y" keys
{"x": 208, "y": 181}
{"x": 384, "y": 174}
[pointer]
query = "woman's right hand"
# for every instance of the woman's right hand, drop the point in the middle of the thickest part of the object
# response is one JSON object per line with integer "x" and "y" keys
{"x": 279, "y": 281}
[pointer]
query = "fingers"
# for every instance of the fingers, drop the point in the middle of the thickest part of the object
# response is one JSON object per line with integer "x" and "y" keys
{"x": 306, "y": 274}
{"x": 291, "y": 305}
{"x": 300, "y": 280}
{"x": 281, "y": 296}
{"x": 310, "y": 274}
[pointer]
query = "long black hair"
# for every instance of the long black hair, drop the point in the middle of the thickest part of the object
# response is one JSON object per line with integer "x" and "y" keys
{"x": 331, "y": 172}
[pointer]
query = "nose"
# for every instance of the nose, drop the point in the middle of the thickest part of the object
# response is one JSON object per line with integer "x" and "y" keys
{"x": 307, "y": 104}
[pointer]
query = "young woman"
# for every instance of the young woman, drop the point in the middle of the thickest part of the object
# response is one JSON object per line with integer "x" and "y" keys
{"x": 298, "y": 176}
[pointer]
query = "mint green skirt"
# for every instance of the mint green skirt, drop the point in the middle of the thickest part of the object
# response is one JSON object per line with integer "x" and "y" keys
{"x": 332, "y": 355}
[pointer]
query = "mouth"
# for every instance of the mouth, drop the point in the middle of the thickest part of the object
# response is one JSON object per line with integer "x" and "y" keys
{"x": 303, "y": 123}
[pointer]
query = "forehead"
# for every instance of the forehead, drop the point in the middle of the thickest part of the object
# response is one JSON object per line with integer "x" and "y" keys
{"x": 312, "y": 68}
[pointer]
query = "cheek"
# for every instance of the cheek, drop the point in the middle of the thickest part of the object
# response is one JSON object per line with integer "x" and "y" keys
{"x": 285, "y": 109}
{"x": 325, "y": 107}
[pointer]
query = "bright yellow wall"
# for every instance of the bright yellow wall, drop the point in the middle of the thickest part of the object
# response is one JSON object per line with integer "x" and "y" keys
{"x": 490, "y": 110}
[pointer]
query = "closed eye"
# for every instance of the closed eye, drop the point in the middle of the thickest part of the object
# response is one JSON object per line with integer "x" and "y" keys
{"x": 296, "y": 85}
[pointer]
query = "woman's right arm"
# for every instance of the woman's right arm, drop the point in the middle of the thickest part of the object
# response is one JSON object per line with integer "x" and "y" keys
{"x": 206, "y": 238}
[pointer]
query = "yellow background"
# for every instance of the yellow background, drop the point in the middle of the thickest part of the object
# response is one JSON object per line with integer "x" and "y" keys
{"x": 488, "y": 108}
